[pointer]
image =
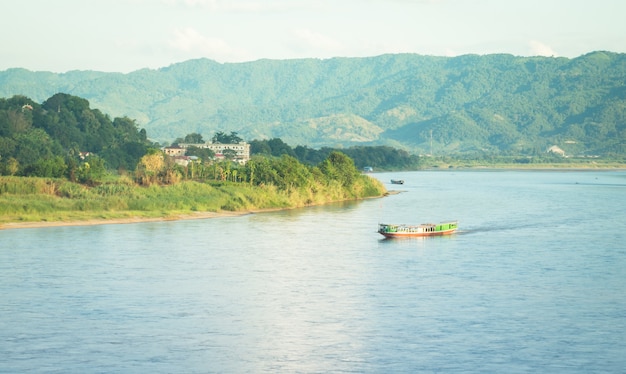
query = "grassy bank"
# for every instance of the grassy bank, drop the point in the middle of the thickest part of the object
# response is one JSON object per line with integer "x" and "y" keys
{"x": 57, "y": 200}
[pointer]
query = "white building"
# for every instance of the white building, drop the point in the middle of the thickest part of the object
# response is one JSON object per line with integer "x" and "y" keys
{"x": 242, "y": 150}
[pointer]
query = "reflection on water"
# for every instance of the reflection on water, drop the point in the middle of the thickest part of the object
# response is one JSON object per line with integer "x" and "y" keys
{"x": 319, "y": 290}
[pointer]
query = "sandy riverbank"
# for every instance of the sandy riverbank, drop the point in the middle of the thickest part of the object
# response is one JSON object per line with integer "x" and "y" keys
{"x": 117, "y": 221}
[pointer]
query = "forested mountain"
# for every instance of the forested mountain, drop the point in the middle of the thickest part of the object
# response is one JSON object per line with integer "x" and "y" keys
{"x": 491, "y": 104}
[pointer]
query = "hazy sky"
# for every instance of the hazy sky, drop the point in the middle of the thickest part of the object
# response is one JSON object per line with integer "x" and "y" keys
{"x": 127, "y": 35}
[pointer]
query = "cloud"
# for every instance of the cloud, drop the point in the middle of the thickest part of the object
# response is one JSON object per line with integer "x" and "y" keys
{"x": 192, "y": 42}
{"x": 308, "y": 39}
{"x": 449, "y": 52}
{"x": 243, "y": 6}
{"x": 211, "y": 4}
{"x": 540, "y": 49}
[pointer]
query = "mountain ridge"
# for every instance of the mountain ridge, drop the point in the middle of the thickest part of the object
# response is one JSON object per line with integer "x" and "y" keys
{"x": 496, "y": 103}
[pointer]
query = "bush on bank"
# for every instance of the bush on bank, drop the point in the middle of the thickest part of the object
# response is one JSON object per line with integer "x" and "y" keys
{"x": 262, "y": 184}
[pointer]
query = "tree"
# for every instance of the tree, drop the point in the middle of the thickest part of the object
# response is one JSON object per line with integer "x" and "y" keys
{"x": 340, "y": 167}
{"x": 223, "y": 138}
{"x": 310, "y": 156}
{"x": 34, "y": 145}
{"x": 260, "y": 147}
{"x": 54, "y": 167}
{"x": 204, "y": 154}
{"x": 261, "y": 171}
{"x": 65, "y": 101}
{"x": 91, "y": 170}
{"x": 291, "y": 172}
{"x": 126, "y": 129}
{"x": 13, "y": 121}
{"x": 10, "y": 166}
{"x": 229, "y": 154}
{"x": 171, "y": 172}
{"x": 193, "y": 138}
{"x": 149, "y": 167}
{"x": 280, "y": 148}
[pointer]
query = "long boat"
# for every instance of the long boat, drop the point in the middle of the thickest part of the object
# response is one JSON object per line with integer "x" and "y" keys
{"x": 424, "y": 229}
{"x": 397, "y": 181}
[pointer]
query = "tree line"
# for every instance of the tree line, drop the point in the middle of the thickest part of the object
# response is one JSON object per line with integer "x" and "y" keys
{"x": 64, "y": 138}
{"x": 377, "y": 157}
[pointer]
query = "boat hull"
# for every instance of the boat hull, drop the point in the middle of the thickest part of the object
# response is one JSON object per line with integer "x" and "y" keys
{"x": 416, "y": 234}
{"x": 412, "y": 231}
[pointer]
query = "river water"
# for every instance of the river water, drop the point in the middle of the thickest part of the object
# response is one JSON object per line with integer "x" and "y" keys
{"x": 534, "y": 281}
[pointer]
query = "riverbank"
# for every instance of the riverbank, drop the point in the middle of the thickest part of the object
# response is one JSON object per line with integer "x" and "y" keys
{"x": 28, "y": 202}
{"x": 137, "y": 219}
{"x": 118, "y": 221}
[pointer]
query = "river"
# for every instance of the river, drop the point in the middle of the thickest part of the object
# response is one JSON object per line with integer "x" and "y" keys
{"x": 534, "y": 281}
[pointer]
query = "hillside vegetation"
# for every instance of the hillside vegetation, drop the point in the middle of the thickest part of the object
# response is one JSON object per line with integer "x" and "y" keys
{"x": 62, "y": 160}
{"x": 467, "y": 105}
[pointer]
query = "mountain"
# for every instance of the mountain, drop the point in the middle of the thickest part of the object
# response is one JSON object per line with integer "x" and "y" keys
{"x": 499, "y": 103}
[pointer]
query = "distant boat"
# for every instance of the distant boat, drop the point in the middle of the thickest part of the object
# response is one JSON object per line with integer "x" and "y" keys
{"x": 397, "y": 181}
{"x": 425, "y": 229}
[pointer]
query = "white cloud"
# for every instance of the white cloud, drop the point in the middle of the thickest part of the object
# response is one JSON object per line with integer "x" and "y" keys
{"x": 313, "y": 40}
{"x": 540, "y": 49}
{"x": 212, "y": 4}
{"x": 250, "y": 6}
{"x": 449, "y": 52}
{"x": 193, "y": 43}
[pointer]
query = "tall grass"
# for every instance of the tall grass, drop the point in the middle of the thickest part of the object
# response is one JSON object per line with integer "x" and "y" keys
{"x": 27, "y": 186}
{"x": 45, "y": 199}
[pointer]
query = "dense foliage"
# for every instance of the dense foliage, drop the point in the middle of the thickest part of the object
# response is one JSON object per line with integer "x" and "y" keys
{"x": 473, "y": 105}
{"x": 336, "y": 177}
{"x": 27, "y": 199}
{"x": 167, "y": 190}
{"x": 56, "y": 162}
{"x": 378, "y": 157}
{"x": 65, "y": 137}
